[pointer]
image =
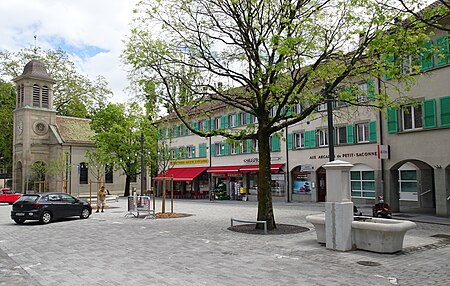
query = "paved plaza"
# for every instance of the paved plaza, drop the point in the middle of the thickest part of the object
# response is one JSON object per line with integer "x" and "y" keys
{"x": 111, "y": 249}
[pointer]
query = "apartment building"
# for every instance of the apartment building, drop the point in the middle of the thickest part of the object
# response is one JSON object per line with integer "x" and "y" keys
{"x": 401, "y": 153}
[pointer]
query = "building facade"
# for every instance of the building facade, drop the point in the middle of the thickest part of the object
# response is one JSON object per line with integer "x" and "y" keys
{"x": 58, "y": 144}
{"x": 401, "y": 153}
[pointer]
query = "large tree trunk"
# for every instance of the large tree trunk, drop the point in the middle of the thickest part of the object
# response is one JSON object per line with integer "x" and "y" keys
{"x": 265, "y": 208}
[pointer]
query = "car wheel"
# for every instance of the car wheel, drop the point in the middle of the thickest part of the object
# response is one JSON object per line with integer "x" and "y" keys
{"x": 46, "y": 217}
{"x": 19, "y": 220}
{"x": 85, "y": 213}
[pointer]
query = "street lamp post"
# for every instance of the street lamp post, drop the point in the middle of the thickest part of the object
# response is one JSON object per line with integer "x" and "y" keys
{"x": 329, "y": 101}
{"x": 142, "y": 165}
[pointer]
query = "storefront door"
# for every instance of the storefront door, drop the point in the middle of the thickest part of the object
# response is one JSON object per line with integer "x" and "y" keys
{"x": 321, "y": 185}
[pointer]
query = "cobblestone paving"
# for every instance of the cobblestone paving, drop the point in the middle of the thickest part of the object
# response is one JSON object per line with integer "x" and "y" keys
{"x": 111, "y": 249}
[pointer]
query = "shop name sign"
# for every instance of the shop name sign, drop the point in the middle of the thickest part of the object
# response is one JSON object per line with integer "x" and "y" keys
{"x": 193, "y": 161}
{"x": 346, "y": 155}
{"x": 256, "y": 160}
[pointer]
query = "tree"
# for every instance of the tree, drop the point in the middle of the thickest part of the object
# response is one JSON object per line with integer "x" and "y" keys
{"x": 7, "y": 105}
{"x": 74, "y": 93}
{"x": 117, "y": 140}
{"x": 264, "y": 57}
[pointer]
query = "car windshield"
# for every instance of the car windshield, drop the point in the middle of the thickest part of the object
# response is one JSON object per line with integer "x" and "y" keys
{"x": 28, "y": 198}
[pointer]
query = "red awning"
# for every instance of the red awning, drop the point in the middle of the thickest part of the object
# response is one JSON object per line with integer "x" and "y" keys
{"x": 241, "y": 169}
{"x": 255, "y": 168}
{"x": 181, "y": 174}
{"x": 224, "y": 169}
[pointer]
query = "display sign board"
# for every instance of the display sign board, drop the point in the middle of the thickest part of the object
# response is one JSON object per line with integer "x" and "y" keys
{"x": 383, "y": 152}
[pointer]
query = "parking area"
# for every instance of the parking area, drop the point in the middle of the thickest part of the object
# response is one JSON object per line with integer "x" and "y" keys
{"x": 111, "y": 249}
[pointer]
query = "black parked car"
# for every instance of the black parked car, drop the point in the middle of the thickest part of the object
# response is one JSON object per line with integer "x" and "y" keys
{"x": 47, "y": 207}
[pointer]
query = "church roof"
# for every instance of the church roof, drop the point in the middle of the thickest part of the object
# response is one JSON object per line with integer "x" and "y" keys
{"x": 35, "y": 69}
{"x": 75, "y": 130}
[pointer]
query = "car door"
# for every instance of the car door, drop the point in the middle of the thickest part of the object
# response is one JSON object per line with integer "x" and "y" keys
{"x": 56, "y": 205}
{"x": 71, "y": 205}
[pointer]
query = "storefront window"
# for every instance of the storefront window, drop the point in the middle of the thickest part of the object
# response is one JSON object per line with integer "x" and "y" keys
{"x": 362, "y": 184}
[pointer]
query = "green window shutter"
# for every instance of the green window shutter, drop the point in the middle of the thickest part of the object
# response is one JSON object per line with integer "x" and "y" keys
{"x": 389, "y": 62}
{"x": 247, "y": 118}
{"x": 222, "y": 122}
{"x": 177, "y": 152}
{"x": 193, "y": 151}
{"x": 442, "y": 54}
{"x": 307, "y": 135}
{"x": 249, "y": 147}
{"x": 195, "y": 125}
{"x": 429, "y": 113}
{"x": 312, "y": 139}
{"x": 275, "y": 143}
{"x": 289, "y": 111}
{"x": 371, "y": 89}
{"x": 177, "y": 131}
{"x": 211, "y": 126}
{"x": 373, "y": 131}
{"x": 350, "y": 134}
{"x": 236, "y": 119}
{"x": 212, "y": 150}
{"x": 183, "y": 130}
{"x": 206, "y": 125}
{"x": 202, "y": 150}
{"x": 444, "y": 103}
{"x": 289, "y": 141}
{"x": 226, "y": 122}
{"x": 392, "y": 120}
{"x": 426, "y": 56}
{"x": 238, "y": 147}
{"x": 226, "y": 149}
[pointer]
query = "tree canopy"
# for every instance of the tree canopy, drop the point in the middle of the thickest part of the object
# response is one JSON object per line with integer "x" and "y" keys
{"x": 118, "y": 129}
{"x": 7, "y": 105}
{"x": 263, "y": 57}
{"x": 74, "y": 93}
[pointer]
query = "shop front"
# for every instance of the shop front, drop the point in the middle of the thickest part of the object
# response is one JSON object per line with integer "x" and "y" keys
{"x": 303, "y": 183}
{"x": 187, "y": 182}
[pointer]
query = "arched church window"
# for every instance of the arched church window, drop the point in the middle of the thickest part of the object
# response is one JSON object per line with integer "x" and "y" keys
{"x": 36, "y": 95}
{"x": 83, "y": 173}
{"x": 44, "y": 96}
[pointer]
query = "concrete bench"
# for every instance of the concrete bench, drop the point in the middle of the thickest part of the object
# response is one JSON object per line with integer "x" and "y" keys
{"x": 250, "y": 221}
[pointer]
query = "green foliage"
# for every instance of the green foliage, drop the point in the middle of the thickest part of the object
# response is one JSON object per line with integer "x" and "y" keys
{"x": 74, "y": 93}
{"x": 118, "y": 129}
{"x": 7, "y": 105}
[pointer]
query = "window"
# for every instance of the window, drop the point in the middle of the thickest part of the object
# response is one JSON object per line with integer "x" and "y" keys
{"x": 362, "y": 183}
{"x": 363, "y": 91}
{"x": 341, "y": 135}
{"x": 217, "y": 123}
{"x": 231, "y": 121}
{"x": 83, "y": 171}
{"x": 297, "y": 108}
{"x": 220, "y": 149}
{"x": 322, "y": 107}
{"x": 36, "y": 95}
{"x": 45, "y": 96}
{"x": 299, "y": 140}
{"x": 67, "y": 198}
{"x": 242, "y": 119}
{"x": 407, "y": 181}
{"x": 362, "y": 132}
{"x": 323, "y": 137}
{"x": 412, "y": 117}
{"x": 201, "y": 125}
{"x": 190, "y": 150}
{"x": 109, "y": 174}
{"x": 235, "y": 148}
{"x": 409, "y": 63}
{"x": 254, "y": 145}
{"x": 253, "y": 119}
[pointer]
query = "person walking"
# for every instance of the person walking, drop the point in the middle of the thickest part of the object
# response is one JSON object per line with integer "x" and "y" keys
{"x": 101, "y": 198}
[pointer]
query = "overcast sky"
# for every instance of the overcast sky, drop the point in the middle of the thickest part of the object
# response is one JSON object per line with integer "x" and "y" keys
{"x": 92, "y": 31}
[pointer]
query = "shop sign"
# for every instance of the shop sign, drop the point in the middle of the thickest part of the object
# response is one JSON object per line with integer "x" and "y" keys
{"x": 251, "y": 160}
{"x": 306, "y": 168}
{"x": 383, "y": 151}
{"x": 193, "y": 161}
{"x": 346, "y": 155}
{"x": 277, "y": 177}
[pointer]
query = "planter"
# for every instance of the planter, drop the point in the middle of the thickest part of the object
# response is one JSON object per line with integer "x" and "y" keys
{"x": 372, "y": 234}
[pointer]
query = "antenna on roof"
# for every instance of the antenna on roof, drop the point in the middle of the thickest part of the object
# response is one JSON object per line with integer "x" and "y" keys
{"x": 35, "y": 46}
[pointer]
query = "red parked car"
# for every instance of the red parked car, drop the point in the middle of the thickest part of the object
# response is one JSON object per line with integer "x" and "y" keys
{"x": 8, "y": 196}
